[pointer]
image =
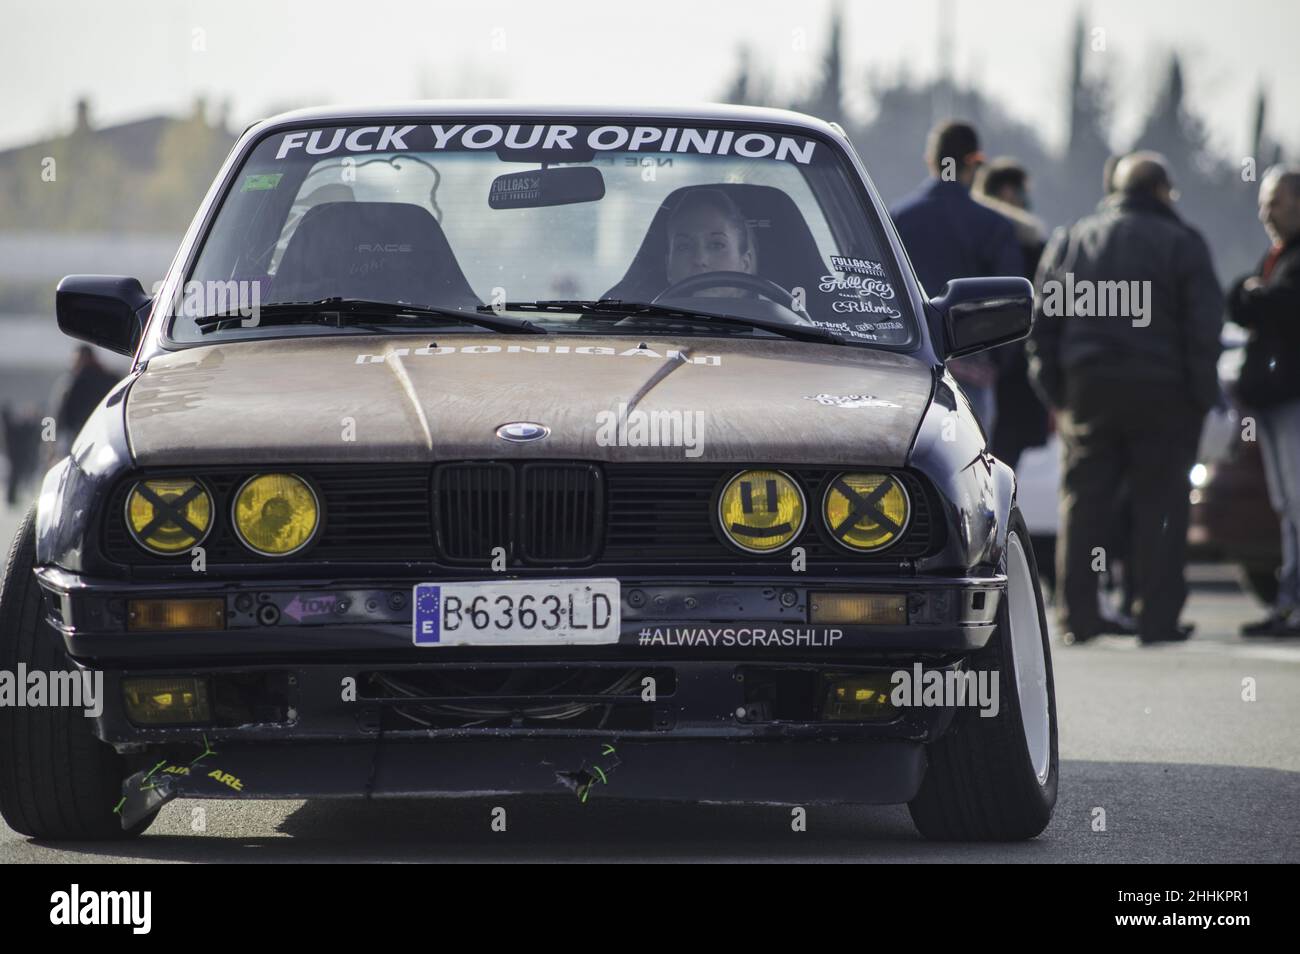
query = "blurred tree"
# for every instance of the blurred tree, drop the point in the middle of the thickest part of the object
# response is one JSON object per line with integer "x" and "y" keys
{"x": 827, "y": 97}
{"x": 189, "y": 153}
{"x": 748, "y": 87}
{"x": 1087, "y": 142}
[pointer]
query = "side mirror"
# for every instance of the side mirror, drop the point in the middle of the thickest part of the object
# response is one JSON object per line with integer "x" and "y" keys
{"x": 106, "y": 310}
{"x": 981, "y": 313}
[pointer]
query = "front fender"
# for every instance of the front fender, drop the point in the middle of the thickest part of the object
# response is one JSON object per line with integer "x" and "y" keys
{"x": 74, "y": 490}
{"x": 977, "y": 490}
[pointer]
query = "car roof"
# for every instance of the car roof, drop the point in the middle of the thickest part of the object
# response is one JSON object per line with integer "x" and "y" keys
{"x": 520, "y": 109}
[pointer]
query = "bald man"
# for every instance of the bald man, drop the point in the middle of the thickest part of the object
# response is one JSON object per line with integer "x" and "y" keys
{"x": 1267, "y": 304}
{"x": 1124, "y": 347}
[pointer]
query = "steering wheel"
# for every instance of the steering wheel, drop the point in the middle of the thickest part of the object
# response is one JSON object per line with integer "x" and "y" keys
{"x": 688, "y": 286}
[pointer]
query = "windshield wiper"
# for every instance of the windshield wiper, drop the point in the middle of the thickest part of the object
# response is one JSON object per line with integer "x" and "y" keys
{"x": 616, "y": 306}
{"x": 350, "y": 309}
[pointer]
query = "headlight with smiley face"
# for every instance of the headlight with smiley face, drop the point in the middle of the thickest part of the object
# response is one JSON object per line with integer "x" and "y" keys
{"x": 761, "y": 511}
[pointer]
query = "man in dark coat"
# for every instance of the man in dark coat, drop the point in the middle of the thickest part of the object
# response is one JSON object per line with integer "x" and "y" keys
{"x": 1124, "y": 347}
{"x": 1267, "y": 304}
{"x": 949, "y": 235}
{"x": 78, "y": 394}
{"x": 1003, "y": 186}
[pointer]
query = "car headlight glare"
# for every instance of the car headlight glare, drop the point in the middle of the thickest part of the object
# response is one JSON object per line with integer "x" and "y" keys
{"x": 276, "y": 514}
{"x": 865, "y": 512}
{"x": 168, "y": 516}
{"x": 761, "y": 511}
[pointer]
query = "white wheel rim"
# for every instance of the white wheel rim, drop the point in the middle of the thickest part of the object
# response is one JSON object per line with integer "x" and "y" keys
{"x": 1028, "y": 659}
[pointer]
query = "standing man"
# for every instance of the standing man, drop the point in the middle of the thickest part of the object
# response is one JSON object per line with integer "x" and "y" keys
{"x": 949, "y": 235}
{"x": 1131, "y": 386}
{"x": 1003, "y": 186}
{"x": 78, "y": 393}
{"x": 1267, "y": 304}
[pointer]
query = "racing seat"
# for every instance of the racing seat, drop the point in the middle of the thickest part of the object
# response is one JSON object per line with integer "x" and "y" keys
{"x": 787, "y": 252}
{"x": 386, "y": 251}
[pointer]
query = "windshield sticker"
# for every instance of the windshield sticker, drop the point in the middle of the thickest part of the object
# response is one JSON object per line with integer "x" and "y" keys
{"x": 261, "y": 181}
{"x": 460, "y": 136}
{"x": 861, "y": 266}
{"x": 849, "y": 400}
{"x": 855, "y": 294}
{"x": 863, "y": 331}
{"x": 856, "y": 286}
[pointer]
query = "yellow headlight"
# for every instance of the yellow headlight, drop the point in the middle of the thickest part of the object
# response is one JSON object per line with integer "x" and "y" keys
{"x": 866, "y": 512}
{"x": 276, "y": 514}
{"x": 168, "y": 516}
{"x": 761, "y": 510}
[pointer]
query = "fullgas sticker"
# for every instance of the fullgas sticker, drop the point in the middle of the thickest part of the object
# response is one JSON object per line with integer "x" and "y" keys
{"x": 860, "y": 266}
{"x": 849, "y": 400}
{"x": 855, "y": 292}
{"x": 856, "y": 286}
{"x": 701, "y": 142}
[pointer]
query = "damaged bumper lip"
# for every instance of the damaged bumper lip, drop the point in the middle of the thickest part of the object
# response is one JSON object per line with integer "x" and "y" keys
{"x": 771, "y": 772}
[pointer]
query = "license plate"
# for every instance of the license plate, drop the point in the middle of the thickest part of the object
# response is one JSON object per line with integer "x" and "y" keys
{"x": 516, "y": 613}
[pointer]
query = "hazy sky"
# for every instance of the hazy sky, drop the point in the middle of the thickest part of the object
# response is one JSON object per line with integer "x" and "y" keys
{"x": 139, "y": 57}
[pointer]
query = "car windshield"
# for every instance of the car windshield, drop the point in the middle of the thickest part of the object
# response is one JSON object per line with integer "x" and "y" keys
{"x": 612, "y": 229}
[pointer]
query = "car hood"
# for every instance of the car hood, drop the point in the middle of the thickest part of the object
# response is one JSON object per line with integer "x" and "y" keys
{"x": 405, "y": 398}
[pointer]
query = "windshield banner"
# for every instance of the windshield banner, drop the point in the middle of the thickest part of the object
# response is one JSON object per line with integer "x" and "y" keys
{"x": 559, "y": 138}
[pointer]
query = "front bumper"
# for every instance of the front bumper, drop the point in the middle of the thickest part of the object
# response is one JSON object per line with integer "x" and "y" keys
{"x": 740, "y": 677}
{"x": 948, "y": 614}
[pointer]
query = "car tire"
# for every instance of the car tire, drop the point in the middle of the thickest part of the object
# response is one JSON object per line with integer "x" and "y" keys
{"x": 1045, "y": 557}
{"x": 58, "y": 781}
{"x": 995, "y": 778}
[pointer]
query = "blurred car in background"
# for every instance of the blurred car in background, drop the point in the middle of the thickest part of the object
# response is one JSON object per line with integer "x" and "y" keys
{"x": 1232, "y": 520}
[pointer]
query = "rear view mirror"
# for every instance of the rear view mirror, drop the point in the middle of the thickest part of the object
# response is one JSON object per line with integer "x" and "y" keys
{"x": 535, "y": 188}
{"x": 105, "y": 310}
{"x": 980, "y": 313}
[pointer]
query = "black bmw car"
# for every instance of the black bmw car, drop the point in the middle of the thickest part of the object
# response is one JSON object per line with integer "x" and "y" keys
{"x": 526, "y": 449}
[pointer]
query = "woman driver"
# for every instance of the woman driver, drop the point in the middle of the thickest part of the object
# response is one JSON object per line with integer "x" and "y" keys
{"x": 707, "y": 232}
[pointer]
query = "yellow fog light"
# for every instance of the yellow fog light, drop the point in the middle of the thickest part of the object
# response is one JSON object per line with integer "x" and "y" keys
{"x": 276, "y": 514}
{"x": 166, "y": 700}
{"x": 153, "y": 616}
{"x": 761, "y": 510}
{"x": 865, "y": 512}
{"x": 873, "y": 609}
{"x": 859, "y": 698}
{"x": 168, "y": 516}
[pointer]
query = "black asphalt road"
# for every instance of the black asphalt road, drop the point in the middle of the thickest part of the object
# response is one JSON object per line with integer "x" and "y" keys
{"x": 1160, "y": 740}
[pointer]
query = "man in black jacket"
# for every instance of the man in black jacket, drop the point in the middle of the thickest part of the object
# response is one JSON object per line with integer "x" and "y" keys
{"x": 1268, "y": 305}
{"x": 1124, "y": 347}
